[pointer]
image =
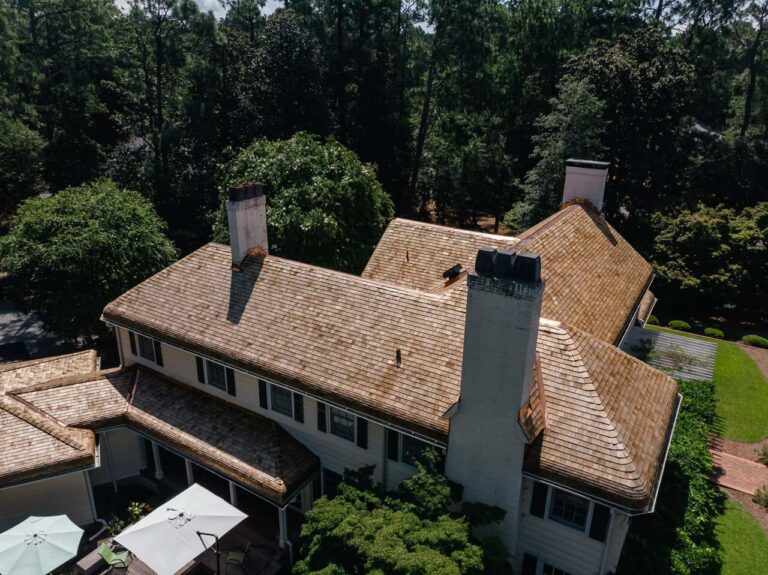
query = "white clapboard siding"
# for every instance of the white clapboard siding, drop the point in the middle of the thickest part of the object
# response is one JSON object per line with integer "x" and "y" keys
{"x": 556, "y": 544}
{"x": 121, "y": 447}
{"x": 335, "y": 453}
{"x": 60, "y": 495}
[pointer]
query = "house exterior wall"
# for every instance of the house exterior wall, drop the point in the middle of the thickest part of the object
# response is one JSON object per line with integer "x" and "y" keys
{"x": 335, "y": 453}
{"x": 120, "y": 453}
{"x": 60, "y": 495}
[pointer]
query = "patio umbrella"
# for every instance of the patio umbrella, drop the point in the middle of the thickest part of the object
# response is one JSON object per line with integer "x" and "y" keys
{"x": 181, "y": 529}
{"x": 38, "y": 545}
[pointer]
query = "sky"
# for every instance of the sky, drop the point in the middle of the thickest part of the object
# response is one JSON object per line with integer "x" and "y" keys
{"x": 218, "y": 9}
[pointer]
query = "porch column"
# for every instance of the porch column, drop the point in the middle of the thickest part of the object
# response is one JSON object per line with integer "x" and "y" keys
{"x": 190, "y": 473}
{"x": 105, "y": 442}
{"x": 158, "y": 464}
{"x": 282, "y": 515}
{"x": 233, "y": 494}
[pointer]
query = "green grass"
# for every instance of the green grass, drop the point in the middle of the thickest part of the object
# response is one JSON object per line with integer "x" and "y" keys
{"x": 743, "y": 543}
{"x": 741, "y": 390}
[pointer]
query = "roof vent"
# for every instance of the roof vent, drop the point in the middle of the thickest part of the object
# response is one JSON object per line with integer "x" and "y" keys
{"x": 451, "y": 273}
{"x": 503, "y": 264}
{"x": 484, "y": 261}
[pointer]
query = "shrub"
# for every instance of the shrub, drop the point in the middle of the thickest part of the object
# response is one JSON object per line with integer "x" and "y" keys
{"x": 761, "y": 496}
{"x": 679, "y": 324}
{"x": 714, "y": 332}
{"x": 755, "y": 340}
{"x": 762, "y": 455}
{"x": 653, "y": 320}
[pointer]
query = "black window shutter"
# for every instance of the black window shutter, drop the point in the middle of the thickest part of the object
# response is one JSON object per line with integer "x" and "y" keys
{"x": 263, "y": 394}
{"x": 132, "y": 339}
{"x": 321, "y": 423}
{"x": 601, "y": 518}
{"x": 393, "y": 447}
{"x": 539, "y": 499}
{"x": 362, "y": 433}
{"x": 231, "y": 387}
{"x": 298, "y": 407}
{"x": 200, "y": 370}
{"x": 529, "y": 564}
{"x": 158, "y": 352}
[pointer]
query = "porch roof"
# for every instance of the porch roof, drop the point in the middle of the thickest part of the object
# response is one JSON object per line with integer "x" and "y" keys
{"x": 245, "y": 447}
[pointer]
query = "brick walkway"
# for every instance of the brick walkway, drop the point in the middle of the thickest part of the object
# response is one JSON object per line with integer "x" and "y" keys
{"x": 738, "y": 473}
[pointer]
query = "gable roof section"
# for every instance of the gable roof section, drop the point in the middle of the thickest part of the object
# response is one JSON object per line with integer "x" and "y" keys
{"x": 594, "y": 278}
{"x": 608, "y": 417}
{"x": 23, "y": 373}
{"x": 329, "y": 334}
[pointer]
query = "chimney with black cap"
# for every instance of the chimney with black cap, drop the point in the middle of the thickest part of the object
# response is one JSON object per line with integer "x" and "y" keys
{"x": 247, "y": 217}
{"x": 486, "y": 442}
{"x": 585, "y": 180}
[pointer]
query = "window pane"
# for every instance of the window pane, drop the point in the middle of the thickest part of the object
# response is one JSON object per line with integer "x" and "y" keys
{"x": 216, "y": 376}
{"x": 412, "y": 449}
{"x": 282, "y": 401}
{"x": 569, "y": 509}
{"x": 342, "y": 424}
{"x": 146, "y": 348}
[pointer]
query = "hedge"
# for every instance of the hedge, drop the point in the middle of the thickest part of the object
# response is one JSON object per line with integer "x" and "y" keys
{"x": 755, "y": 340}
{"x": 679, "y": 324}
{"x": 714, "y": 332}
{"x": 679, "y": 538}
{"x": 652, "y": 320}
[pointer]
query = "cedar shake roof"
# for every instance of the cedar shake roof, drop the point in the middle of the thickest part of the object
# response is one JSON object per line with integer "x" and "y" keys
{"x": 608, "y": 417}
{"x": 646, "y": 307}
{"x": 23, "y": 373}
{"x": 50, "y": 426}
{"x": 335, "y": 336}
{"x": 595, "y": 279}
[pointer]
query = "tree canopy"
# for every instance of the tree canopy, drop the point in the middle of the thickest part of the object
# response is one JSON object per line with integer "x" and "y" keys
{"x": 324, "y": 206}
{"x": 76, "y": 251}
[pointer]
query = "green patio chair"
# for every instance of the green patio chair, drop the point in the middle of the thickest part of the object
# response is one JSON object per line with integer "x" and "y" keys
{"x": 237, "y": 557}
{"x": 113, "y": 559}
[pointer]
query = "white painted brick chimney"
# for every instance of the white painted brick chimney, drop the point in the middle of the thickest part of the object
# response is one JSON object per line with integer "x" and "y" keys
{"x": 247, "y": 217}
{"x": 486, "y": 444}
{"x": 585, "y": 179}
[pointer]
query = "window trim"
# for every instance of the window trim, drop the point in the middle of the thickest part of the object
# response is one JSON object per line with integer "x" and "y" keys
{"x": 208, "y": 365}
{"x": 329, "y": 415}
{"x": 143, "y": 339}
{"x": 270, "y": 404}
{"x": 564, "y": 522}
{"x": 400, "y": 450}
{"x": 279, "y": 389}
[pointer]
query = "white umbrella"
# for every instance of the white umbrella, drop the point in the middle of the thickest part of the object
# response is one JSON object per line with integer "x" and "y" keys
{"x": 38, "y": 545}
{"x": 181, "y": 529}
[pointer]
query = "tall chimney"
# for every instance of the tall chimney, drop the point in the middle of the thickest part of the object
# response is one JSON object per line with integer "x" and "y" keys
{"x": 247, "y": 217}
{"x": 486, "y": 443}
{"x": 585, "y": 180}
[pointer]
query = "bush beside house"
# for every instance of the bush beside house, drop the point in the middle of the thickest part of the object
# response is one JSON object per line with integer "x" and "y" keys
{"x": 755, "y": 340}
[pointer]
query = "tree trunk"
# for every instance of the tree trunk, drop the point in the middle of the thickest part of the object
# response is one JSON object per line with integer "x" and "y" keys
{"x": 749, "y": 96}
{"x": 424, "y": 123}
{"x": 340, "y": 85}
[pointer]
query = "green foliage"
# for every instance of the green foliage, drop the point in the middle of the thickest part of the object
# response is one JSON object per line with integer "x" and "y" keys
{"x": 714, "y": 332}
{"x": 761, "y": 496}
{"x": 653, "y": 320}
{"x": 20, "y": 155}
{"x": 755, "y": 340}
{"x": 428, "y": 490}
{"x": 73, "y": 253}
{"x": 762, "y": 455}
{"x": 572, "y": 129}
{"x": 679, "y": 324}
{"x": 115, "y": 526}
{"x": 713, "y": 254}
{"x": 324, "y": 206}
{"x": 680, "y": 537}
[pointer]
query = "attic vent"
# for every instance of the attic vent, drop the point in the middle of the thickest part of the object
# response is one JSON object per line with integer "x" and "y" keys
{"x": 452, "y": 272}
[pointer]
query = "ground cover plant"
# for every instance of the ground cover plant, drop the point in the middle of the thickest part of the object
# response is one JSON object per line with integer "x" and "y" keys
{"x": 743, "y": 543}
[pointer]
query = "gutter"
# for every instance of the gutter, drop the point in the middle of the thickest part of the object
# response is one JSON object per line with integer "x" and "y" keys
{"x": 49, "y": 476}
{"x": 379, "y": 421}
{"x": 670, "y": 434}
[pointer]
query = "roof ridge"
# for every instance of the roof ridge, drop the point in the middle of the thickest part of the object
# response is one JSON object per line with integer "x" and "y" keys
{"x": 40, "y": 360}
{"x": 66, "y": 380}
{"x": 454, "y": 229}
{"x": 22, "y": 409}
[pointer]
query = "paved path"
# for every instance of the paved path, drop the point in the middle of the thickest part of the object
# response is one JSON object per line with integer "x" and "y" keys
{"x": 682, "y": 357}
{"x": 738, "y": 473}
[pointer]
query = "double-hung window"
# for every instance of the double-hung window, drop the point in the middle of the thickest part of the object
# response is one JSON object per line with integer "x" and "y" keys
{"x": 216, "y": 375}
{"x": 281, "y": 400}
{"x": 405, "y": 448}
{"x": 342, "y": 423}
{"x": 569, "y": 509}
{"x": 146, "y": 348}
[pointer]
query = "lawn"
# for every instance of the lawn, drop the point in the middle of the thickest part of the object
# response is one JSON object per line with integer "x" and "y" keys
{"x": 741, "y": 390}
{"x": 743, "y": 543}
